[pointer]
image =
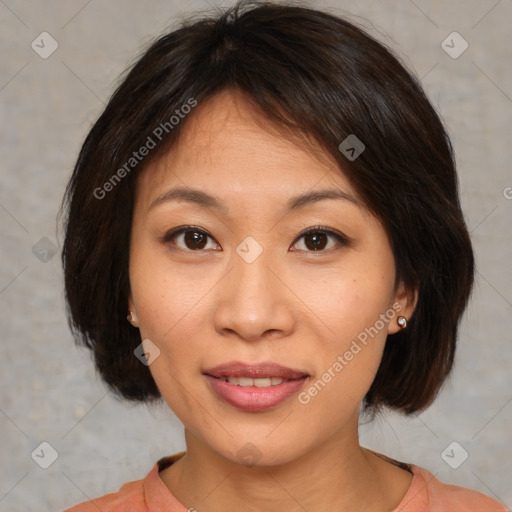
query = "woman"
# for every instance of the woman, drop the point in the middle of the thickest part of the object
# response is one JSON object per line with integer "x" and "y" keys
{"x": 264, "y": 230}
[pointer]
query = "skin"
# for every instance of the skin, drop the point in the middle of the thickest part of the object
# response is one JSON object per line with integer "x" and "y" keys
{"x": 293, "y": 305}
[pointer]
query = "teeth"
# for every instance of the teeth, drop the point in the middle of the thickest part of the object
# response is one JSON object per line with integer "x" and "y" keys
{"x": 259, "y": 383}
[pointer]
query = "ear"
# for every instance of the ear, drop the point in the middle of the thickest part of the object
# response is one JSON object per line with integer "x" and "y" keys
{"x": 133, "y": 319}
{"x": 404, "y": 304}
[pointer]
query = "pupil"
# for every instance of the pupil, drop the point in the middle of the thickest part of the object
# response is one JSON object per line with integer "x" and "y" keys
{"x": 195, "y": 239}
{"x": 317, "y": 243}
{"x": 198, "y": 240}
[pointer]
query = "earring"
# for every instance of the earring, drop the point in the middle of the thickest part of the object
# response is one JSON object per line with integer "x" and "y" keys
{"x": 402, "y": 322}
{"x": 130, "y": 317}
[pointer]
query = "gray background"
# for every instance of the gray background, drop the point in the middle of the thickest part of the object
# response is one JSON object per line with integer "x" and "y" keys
{"x": 49, "y": 388}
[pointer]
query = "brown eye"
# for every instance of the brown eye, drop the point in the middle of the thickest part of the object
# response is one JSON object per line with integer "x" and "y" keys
{"x": 316, "y": 239}
{"x": 187, "y": 238}
{"x": 195, "y": 239}
{"x": 190, "y": 238}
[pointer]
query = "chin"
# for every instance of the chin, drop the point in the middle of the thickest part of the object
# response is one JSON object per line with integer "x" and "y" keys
{"x": 260, "y": 450}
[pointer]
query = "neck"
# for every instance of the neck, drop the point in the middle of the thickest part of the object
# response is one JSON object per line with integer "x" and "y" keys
{"x": 338, "y": 475}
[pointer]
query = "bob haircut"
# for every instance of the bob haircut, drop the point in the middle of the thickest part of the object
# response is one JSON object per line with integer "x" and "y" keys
{"x": 312, "y": 74}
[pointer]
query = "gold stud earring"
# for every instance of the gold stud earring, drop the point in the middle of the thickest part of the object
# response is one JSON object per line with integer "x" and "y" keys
{"x": 402, "y": 322}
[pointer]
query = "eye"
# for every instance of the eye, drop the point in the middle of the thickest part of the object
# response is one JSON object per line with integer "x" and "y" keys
{"x": 194, "y": 238}
{"x": 315, "y": 239}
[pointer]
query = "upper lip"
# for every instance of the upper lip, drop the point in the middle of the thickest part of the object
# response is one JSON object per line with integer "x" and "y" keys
{"x": 254, "y": 370}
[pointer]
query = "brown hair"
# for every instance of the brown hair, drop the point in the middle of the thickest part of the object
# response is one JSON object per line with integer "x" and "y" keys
{"x": 307, "y": 72}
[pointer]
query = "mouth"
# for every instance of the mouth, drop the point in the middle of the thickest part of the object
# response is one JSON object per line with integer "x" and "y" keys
{"x": 246, "y": 382}
{"x": 254, "y": 387}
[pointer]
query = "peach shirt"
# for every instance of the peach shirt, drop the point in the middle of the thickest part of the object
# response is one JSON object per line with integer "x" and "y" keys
{"x": 426, "y": 494}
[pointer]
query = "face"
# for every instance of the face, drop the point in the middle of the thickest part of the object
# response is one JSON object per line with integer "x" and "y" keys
{"x": 257, "y": 280}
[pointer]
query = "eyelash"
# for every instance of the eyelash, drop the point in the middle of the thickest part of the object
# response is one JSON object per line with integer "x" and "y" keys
{"x": 341, "y": 239}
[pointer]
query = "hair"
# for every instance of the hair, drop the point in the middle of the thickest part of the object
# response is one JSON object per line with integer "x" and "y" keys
{"x": 307, "y": 72}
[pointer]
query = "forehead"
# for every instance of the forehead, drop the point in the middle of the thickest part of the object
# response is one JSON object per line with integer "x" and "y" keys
{"x": 228, "y": 148}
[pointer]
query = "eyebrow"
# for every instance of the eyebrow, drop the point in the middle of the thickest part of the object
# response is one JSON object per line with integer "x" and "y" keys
{"x": 208, "y": 201}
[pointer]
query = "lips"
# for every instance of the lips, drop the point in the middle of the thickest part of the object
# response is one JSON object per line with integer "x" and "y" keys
{"x": 255, "y": 387}
{"x": 254, "y": 371}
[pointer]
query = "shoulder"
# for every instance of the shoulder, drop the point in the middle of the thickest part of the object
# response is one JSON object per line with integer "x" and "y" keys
{"x": 149, "y": 493}
{"x": 129, "y": 498}
{"x": 442, "y": 497}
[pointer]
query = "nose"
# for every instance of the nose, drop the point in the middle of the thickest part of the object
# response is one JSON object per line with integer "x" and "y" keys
{"x": 253, "y": 301}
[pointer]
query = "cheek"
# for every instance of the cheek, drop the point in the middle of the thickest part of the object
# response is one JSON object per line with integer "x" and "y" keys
{"x": 166, "y": 294}
{"x": 346, "y": 300}
{"x": 349, "y": 362}
{"x": 170, "y": 302}
{"x": 355, "y": 312}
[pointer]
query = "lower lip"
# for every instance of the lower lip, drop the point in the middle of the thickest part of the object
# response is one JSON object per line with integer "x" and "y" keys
{"x": 251, "y": 398}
